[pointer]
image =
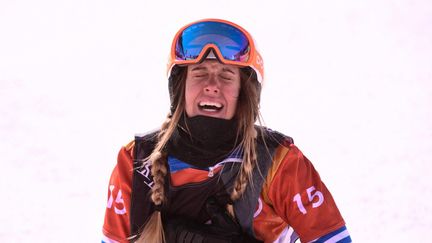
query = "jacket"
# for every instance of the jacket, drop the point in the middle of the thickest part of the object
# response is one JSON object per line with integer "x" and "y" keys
{"x": 292, "y": 201}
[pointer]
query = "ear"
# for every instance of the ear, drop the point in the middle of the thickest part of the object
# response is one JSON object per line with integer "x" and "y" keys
{"x": 178, "y": 75}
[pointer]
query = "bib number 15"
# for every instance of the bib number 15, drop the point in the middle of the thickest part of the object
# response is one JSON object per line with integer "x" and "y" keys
{"x": 311, "y": 196}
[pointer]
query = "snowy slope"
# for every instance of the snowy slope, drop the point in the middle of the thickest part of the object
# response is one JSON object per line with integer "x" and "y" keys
{"x": 350, "y": 81}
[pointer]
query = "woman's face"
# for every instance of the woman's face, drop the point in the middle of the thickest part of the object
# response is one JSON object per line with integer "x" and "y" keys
{"x": 212, "y": 89}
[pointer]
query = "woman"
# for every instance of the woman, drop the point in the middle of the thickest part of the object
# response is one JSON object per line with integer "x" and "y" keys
{"x": 209, "y": 174}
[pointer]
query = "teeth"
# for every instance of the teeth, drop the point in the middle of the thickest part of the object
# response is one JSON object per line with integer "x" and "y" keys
{"x": 217, "y": 105}
{"x": 210, "y": 106}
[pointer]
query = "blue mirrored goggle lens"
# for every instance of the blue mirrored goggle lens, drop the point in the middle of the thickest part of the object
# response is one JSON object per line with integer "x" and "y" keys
{"x": 232, "y": 43}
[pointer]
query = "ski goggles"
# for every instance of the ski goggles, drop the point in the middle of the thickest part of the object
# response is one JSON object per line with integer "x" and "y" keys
{"x": 231, "y": 44}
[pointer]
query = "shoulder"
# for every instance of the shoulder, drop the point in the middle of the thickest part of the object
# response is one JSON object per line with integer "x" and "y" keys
{"x": 150, "y": 136}
{"x": 280, "y": 147}
{"x": 286, "y": 156}
{"x": 136, "y": 149}
{"x": 273, "y": 138}
{"x": 144, "y": 144}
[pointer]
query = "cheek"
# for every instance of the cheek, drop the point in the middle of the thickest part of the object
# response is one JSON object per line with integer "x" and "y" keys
{"x": 232, "y": 102}
{"x": 231, "y": 96}
{"x": 233, "y": 92}
{"x": 190, "y": 95}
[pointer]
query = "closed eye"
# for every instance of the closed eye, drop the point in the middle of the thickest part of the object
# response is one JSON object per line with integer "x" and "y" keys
{"x": 199, "y": 75}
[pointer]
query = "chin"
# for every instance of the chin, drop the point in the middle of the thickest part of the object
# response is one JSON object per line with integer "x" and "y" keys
{"x": 219, "y": 115}
{"x": 215, "y": 116}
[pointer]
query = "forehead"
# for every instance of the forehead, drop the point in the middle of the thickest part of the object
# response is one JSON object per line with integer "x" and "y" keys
{"x": 213, "y": 65}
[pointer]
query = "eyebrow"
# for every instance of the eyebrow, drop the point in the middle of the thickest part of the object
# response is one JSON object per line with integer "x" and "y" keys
{"x": 228, "y": 70}
{"x": 198, "y": 68}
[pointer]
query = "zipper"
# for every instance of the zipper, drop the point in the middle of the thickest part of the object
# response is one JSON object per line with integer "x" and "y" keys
{"x": 211, "y": 168}
{"x": 211, "y": 172}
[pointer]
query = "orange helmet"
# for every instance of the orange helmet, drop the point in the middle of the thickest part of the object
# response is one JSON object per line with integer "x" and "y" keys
{"x": 230, "y": 42}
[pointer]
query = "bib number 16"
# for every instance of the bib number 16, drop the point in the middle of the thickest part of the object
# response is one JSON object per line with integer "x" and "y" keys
{"x": 311, "y": 196}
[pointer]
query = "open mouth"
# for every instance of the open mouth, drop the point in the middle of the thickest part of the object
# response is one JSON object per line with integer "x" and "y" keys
{"x": 210, "y": 106}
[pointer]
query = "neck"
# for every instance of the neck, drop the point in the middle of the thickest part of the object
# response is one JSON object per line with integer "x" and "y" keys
{"x": 203, "y": 141}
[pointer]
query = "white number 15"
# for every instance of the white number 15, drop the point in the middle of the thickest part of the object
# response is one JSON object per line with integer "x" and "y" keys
{"x": 311, "y": 197}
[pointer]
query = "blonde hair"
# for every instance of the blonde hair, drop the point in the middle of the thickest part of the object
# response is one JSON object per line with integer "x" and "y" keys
{"x": 247, "y": 113}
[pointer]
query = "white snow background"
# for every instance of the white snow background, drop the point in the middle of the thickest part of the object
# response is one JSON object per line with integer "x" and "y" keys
{"x": 350, "y": 81}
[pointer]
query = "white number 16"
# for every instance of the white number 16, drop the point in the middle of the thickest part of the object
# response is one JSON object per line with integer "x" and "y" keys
{"x": 311, "y": 197}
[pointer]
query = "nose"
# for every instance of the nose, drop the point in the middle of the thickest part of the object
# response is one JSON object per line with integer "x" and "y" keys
{"x": 211, "y": 87}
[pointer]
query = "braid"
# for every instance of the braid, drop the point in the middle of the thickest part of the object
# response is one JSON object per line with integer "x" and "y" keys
{"x": 156, "y": 159}
{"x": 247, "y": 113}
{"x": 159, "y": 172}
{"x": 153, "y": 231}
{"x": 249, "y": 163}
